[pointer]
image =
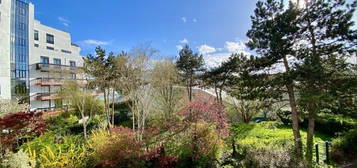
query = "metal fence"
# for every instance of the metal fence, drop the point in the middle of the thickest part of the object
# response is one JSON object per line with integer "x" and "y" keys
{"x": 322, "y": 152}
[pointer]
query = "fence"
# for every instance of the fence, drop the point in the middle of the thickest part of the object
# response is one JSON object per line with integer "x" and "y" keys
{"x": 322, "y": 152}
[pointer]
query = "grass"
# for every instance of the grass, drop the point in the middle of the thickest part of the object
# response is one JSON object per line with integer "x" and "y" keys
{"x": 269, "y": 135}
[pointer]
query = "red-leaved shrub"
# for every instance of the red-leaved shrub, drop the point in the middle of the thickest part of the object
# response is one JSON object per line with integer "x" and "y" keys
{"x": 15, "y": 126}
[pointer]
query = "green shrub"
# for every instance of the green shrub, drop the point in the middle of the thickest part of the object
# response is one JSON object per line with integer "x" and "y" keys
{"x": 200, "y": 146}
{"x": 64, "y": 125}
{"x": 53, "y": 150}
{"x": 267, "y": 143}
{"x": 332, "y": 124}
{"x": 345, "y": 147}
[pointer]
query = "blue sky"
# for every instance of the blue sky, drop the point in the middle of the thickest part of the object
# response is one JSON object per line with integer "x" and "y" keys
{"x": 210, "y": 26}
{"x": 122, "y": 24}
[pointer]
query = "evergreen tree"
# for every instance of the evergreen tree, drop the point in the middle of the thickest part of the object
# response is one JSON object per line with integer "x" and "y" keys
{"x": 326, "y": 31}
{"x": 189, "y": 65}
{"x": 273, "y": 37}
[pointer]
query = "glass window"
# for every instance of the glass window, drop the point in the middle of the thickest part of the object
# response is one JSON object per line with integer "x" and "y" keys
{"x": 45, "y": 60}
{"x": 36, "y": 45}
{"x": 36, "y": 35}
{"x": 72, "y": 63}
{"x": 50, "y": 38}
{"x": 50, "y": 48}
{"x": 57, "y": 61}
{"x": 66, "y": 51}
{"x": 22, "y": 11}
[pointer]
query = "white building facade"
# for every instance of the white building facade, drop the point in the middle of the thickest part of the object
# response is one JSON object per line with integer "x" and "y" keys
{"x": 35, "y": 59}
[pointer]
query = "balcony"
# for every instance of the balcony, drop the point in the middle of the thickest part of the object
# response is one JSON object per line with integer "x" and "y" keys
{"x": 56, "y": 81}
{"x": 49, "y": 82}
{"x": 55, "y": 68}
{"x": 46, "y": 96}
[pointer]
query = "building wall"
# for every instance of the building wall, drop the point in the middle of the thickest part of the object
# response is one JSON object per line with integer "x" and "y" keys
{"x": 19, "y": 51}
{"x": 5, "y": 24}
{"x": 62, "y": 49}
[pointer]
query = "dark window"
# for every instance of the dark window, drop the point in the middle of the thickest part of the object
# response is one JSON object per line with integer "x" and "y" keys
{"x": 72, "y": 63}
{"x": 66, "y": 51}
{"x": 36, "y": 45}
{"x": 50, "y": 38}
{"x": 50, "y": 48}
{"x": 56, "y": 61}
{"x": 45, "y": 60}
{"x": 36, "y": 35}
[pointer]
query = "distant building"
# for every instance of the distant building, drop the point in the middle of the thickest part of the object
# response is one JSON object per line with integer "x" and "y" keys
{"x": 34, "y": 59}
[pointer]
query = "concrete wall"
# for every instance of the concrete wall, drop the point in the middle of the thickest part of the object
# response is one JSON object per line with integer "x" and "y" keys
{"x": 62, "y": 41}
{"x": 5, "y": 78}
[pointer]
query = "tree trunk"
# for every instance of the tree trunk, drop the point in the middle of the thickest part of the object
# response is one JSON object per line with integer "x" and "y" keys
{"x": 310, "y": 135}
{"x": 294, "y": 114}
{"x": 295, "y": 121}
{"x": 113, "y": 107}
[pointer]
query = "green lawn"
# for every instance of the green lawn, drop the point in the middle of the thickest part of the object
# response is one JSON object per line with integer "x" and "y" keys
{"x": 269, "y": 135}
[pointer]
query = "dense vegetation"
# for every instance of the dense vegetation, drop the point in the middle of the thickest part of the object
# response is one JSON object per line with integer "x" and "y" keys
{"x": 298, "y": 89}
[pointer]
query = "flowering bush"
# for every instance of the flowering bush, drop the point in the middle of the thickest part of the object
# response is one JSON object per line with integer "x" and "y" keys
{"x": 208, "y": 111}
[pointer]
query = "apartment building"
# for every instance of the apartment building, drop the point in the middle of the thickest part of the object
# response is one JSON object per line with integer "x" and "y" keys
{"x": 35, "y": 59}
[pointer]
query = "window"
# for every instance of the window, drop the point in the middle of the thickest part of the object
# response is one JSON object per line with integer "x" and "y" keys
{"x": 36, "y": 35}
{"x": 22, "y": 26}
{"x": 45, "y": 60}
{"x": 22, "y": 11}
{"x": 50, "y": 48}
{"x": 56, "y": 61}
{"x": 72, "y": 63}
{"x": 50, "y": 38}
{"x": 66, "y": 51}
{"x": 37, "y": 45}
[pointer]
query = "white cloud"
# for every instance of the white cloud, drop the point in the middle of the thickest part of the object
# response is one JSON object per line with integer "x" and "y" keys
{"x": 214, "y": 60}
{"x": 184, "y": 19}
{"x": 94, "y": 42}
{"x": 206, "y": 49}
{"x": 184, "y": 41}
{"x": 179, "y": 47}
{"x": 64, "y": 21}
{"x": 235, "y": 47}
{"x": 194, "y": 20}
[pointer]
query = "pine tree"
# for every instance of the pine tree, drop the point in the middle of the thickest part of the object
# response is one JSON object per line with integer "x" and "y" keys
{"x": 326, "y": 31}
{"x": 189, "y": 65}
{"x": 273, "y": 37}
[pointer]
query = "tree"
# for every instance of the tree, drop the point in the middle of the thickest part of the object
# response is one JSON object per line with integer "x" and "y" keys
{"x": 189, "y": 65}
{"x": 219, "y": 78}
{"x": 82, "y": 100}
{"x": 326, "y": 30}
{"x": 164, "y": 78}
{"x": 100, "y": 68}
{"x": 273, "y": 36}
{"x": 132, "y": 78}
{"x": 243, "y": 110}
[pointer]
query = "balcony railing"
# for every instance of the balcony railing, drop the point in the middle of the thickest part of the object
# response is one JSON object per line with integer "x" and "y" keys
{"x": 56, "y": 81}
{"x": 49, "y": 82}
{"x": 55, "y": 68}
{"x": 47, "y": 96}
